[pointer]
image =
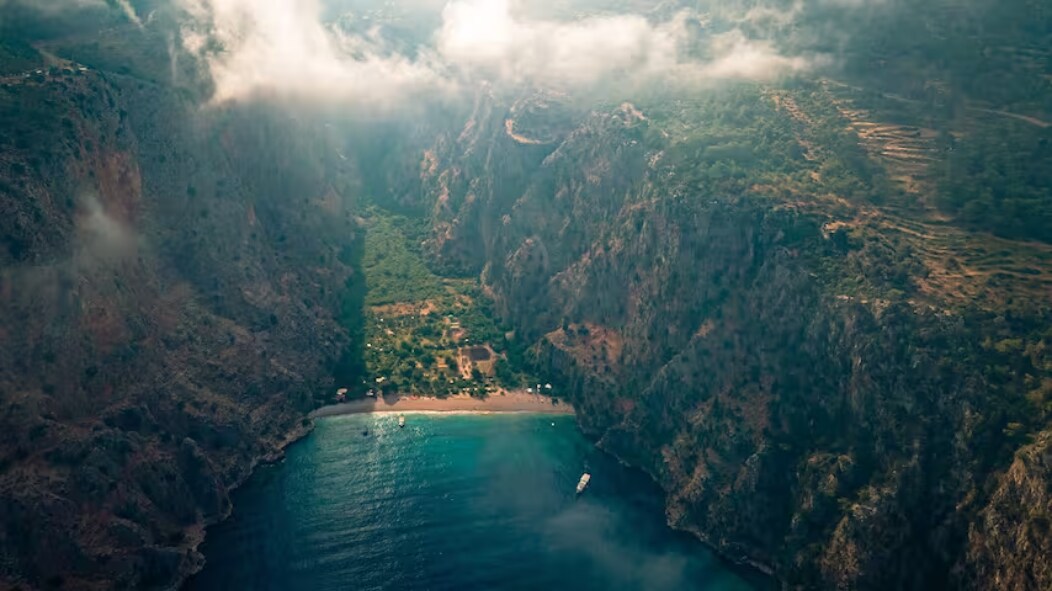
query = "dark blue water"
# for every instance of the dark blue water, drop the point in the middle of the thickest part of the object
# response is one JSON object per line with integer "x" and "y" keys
{"x": 452, "y": 502}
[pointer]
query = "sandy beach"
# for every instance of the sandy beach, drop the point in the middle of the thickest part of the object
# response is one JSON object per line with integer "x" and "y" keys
{"x": 517, "y": 401}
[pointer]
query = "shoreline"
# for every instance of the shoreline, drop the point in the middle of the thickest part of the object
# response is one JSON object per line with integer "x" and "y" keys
{"x": 514, "y": 403}
{"x": 507, "y": 402}
{"x": 197, "y": 532}
{"x": 753, "y": 570}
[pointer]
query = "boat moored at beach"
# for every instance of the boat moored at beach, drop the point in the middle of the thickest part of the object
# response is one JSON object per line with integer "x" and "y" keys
{"x": 583, "y": 483}
{"x": 401, "y": 420}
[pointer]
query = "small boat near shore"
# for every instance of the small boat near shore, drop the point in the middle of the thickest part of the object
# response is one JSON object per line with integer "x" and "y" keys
{"x": 401, "y": 420}
{"x": 583, "y": 483}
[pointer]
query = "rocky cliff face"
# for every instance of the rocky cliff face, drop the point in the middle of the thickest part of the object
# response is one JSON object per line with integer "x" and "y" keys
{"x": 746, "y": 292}
{"x": 171, "y": 279}
{"x": 784, "y": 370}
{"x": 1013, "y": 528}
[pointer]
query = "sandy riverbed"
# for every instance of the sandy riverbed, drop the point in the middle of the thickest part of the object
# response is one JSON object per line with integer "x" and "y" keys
{"x": 507, "y": 402}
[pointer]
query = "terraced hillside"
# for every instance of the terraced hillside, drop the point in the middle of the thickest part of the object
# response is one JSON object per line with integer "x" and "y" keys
{"x": 957, "y": 264}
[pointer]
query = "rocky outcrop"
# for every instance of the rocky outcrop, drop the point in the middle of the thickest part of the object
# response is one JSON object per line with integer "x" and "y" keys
{"x": 1010, "y": 544}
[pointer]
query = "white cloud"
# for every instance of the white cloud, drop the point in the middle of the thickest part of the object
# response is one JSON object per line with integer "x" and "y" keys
{"x": 103, "y": 237}
{"x": 780, "y": 16}
{"x": 129, "y": 12}
{"x": 485, "y": 35}
{"x": 736, "y": 56}
{"x": 282, "y": 48}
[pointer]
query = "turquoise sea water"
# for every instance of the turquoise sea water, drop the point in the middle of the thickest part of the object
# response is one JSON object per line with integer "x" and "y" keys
{"x": 452, "y": 502}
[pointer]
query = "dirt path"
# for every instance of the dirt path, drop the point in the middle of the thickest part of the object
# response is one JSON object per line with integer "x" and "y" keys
{"x": 895, "y": 97}
{"x": 509, "y": 128}
{"x": 1017, "y": 116}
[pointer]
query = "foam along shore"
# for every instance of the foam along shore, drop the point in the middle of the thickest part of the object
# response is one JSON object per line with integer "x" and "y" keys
{"x": 515, "y": 401}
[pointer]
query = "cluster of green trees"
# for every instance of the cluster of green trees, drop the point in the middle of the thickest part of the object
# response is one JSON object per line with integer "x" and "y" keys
{"x": 977, "y": 69}
{"x": 395, "y": 273}
{"x": 726, "y": 139}
{"x": 1000, "y": 180}
{"x": 419, "y": 357}
{"x": 416, "y": 352}
{"x": 17, "y": 55}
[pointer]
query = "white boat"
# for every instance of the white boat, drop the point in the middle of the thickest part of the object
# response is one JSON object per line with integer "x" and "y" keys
{"x": 583, "y": 483}
{"x": 401, "y": 420}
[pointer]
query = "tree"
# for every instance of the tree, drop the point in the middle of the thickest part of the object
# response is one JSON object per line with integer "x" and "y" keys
{"x": 504, "y": 374}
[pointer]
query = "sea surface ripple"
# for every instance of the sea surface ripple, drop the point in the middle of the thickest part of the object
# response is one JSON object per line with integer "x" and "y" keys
{"x": 453, "y": 502}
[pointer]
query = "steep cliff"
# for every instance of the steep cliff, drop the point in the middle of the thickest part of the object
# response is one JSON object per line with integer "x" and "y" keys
{"x": 174, "y": 281}
{"x": 1013, "y": 528}
{"x": 780, "y": 301}
{"x": 820, "y": 394}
